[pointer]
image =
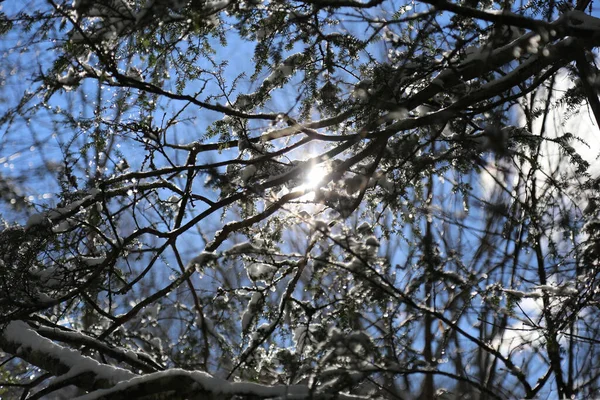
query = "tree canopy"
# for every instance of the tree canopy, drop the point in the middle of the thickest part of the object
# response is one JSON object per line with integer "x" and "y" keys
{"x": 305, "y": 199}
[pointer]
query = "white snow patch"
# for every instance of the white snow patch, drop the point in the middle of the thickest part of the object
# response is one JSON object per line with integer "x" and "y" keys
{"x": 261, "y": 272}
{"x": 241, "y": 248}
{"x": 36, "y": 219}
{"x": 202, "y": 259}
{"x": 251, "y": 309}
{"x": 248, "y": 173}
{"x": 372, "y": 241}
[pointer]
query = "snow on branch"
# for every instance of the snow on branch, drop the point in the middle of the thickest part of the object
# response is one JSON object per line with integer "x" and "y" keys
{"x": 19, "y": 339}
{"x": 136, "y": 359}
{"x": 106, "y": 381}
{"x": 180, "y": 381}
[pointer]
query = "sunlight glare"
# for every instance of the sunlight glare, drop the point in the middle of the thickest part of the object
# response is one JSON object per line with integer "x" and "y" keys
{"x": 315, "y": 176}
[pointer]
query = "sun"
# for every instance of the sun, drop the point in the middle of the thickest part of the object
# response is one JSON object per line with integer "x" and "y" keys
{"x": 315, "y": 176}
